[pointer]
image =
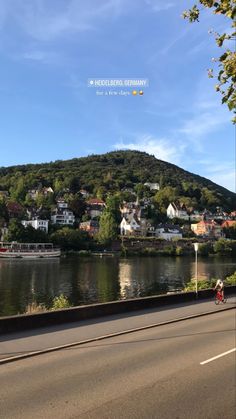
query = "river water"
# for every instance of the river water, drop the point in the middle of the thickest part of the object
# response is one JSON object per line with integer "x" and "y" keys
{"x": 86, "y": 280}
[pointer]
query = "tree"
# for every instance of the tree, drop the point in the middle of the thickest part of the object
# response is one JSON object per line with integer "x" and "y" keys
{"x": 107, "y": 227}
{"x": 165, "y": 196}
{"x": 227, "y": 60}
{"x": 223, "y": 247}
{"x": 68, "y": 238}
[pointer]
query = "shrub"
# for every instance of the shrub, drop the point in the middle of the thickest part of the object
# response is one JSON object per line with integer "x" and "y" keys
{"x": 230, "y": 280}
{"x": 203, "y": 284}
{"x": 60, "y": 302}
{"x": 179, "y": 251}
{"x": 205, "y": 249}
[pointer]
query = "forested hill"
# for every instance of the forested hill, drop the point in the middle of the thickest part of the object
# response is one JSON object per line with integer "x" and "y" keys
{"x": 111, "y": 172}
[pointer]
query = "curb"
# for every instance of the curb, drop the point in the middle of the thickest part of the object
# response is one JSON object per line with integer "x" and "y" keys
{"x": 111, "y": 335}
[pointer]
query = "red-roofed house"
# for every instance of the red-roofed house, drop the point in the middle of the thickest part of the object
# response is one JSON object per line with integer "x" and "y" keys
{"x": 228, "y": 224}
{"x": 14, "y": 209}
{"x": 207, "y": 228}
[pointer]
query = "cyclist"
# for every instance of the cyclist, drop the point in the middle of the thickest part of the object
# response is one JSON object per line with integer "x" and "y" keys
{"x": 220, "y": 287}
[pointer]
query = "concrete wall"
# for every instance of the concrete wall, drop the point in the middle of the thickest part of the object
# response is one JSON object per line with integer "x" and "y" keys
{"x": 32, "y": 321}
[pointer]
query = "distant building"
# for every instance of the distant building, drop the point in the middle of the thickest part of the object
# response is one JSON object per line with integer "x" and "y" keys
{"x": 14, "y": 209}
{"x": 91, "y": 227}
{"x": 61, "y": 203}
{"x": 152, "y": 186}
{"x": 175, "y": 210}
{"x": 168, "y": 231}
{"x": 228, "y": 224}
{"x": 62, "y": 217}
{"x": 95, "y": 207}
{"x": 207, "y": 228}
{"x": 130, "y": 225}
{"x": 37, "y": 224}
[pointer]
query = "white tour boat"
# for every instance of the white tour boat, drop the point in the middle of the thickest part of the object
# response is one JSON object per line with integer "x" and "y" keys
{"x": 28, "y": 250}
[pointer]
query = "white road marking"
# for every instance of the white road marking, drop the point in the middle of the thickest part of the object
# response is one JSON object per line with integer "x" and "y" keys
{"x": 218, "y": 356}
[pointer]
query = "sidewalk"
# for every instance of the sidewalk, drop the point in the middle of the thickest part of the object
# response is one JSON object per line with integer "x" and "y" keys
{"x": 16, "y": 344}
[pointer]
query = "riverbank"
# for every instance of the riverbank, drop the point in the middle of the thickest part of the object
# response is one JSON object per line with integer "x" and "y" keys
{"x": 154, "y": 246}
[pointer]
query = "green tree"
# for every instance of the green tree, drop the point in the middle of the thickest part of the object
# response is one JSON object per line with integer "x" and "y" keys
{"x": 69, "y": 239}
{"x": 227, "y": 60}
{"x": 164, "y": 196}
{"x": 223, "y": 247}
{"x": 107, "y": 227}
{"x": 15, "y": 231}
{"x": 18, "y": 191}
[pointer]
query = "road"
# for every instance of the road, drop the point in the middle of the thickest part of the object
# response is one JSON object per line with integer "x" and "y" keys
{"x": 154, "y": 373}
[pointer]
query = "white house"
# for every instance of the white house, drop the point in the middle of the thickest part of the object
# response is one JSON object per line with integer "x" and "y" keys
{"x": 130, "y": 225}
{"x": 62, "y": 217}
{"x": 62, "y": 204}
{"x": 152, "y": 186}
{"x": 177, "y": 211}
{"x": 168, "y": 232}
{"x": 37, "y": 224}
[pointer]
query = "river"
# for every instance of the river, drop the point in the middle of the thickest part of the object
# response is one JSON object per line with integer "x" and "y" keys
{"x": 86, "y": 280}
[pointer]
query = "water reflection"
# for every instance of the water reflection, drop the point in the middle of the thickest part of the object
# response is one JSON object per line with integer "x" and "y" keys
{"x": 89, "y": 280}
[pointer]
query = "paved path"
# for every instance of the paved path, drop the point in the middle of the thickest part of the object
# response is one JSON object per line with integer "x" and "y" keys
{"x": 16, "y": 344}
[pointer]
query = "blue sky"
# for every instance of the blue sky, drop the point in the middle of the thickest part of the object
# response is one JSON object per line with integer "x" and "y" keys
{"x": 49, "y": 49}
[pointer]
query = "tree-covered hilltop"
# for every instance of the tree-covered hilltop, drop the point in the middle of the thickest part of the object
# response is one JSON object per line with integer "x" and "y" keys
{"x": 112, "y": 172}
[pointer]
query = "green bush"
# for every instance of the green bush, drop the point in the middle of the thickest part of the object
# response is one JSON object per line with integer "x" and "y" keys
{"x": 230, "y": 280}
{"x": 223, "y": 247}
{"x": 209, "y": 283}
{"x": 179, "y": 251}
{"x": 60, "y": 302}
{"x": 205, "y": 249}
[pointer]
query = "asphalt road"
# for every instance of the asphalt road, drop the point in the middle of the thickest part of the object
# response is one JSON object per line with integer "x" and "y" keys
{"x": 21, "y": 343}
{"x": 154, "y": 373}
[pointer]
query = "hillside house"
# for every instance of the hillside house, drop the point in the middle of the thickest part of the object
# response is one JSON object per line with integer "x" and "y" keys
{"x": 95, "y": 207}
{"x": 152, "y": 186}
{"x": 168, "y": 232}
{"x": 47, "y": 191}
{"x": 206, "y": 228}
{"x": 228, "y": 224}
{"x": 175, "y": 210}
{"x": 14, "y": 209}
{"x": 130, "y": 225}
{"x": 61, "y": 203}
{"x": 91, "y": 227}
{"x": 62, "y": 217}
{"x": 37, "y": 224}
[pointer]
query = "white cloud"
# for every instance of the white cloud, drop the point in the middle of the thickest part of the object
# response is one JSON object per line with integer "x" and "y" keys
{"x": 162, "y": 148}
{"x": 159, "y": 5}
{"x": 222, "y": 173}
{"x": 203, "y": 123}
{"x": 45, "y": 21}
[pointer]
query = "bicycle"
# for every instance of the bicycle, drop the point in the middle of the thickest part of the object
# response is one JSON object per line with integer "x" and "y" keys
{"x": 219, "y": 298}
